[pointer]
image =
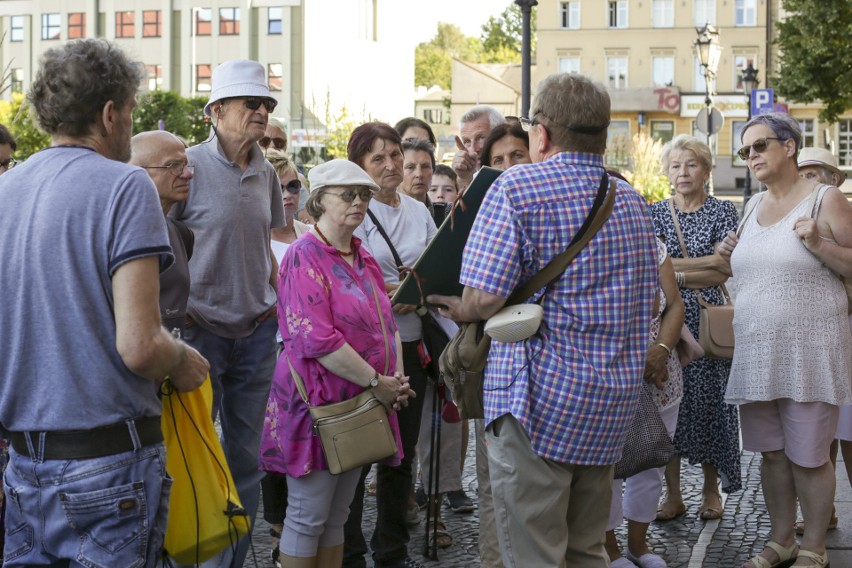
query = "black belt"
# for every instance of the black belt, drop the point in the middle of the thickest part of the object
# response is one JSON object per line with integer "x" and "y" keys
{"x": 87, "y": 444}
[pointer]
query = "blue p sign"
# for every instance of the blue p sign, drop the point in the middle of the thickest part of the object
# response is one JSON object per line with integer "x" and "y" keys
{"x": 762, "y": 101}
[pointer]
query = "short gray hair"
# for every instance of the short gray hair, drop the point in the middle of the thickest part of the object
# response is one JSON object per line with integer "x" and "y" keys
{"x": 576, "y": 112}
{"x": 691, "y": 144}
{"x": 781, "y": 124}
{"x": 475, "y": 113}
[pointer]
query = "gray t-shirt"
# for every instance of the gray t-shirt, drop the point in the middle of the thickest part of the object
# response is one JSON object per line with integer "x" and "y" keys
{"x": 69, "y": 219}
{"x": 410, "y": 228}
{"x": 231, "y": 213}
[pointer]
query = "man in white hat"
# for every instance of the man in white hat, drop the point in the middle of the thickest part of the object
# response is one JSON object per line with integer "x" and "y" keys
{"x": 234, "y": 201}
{"x": 820, "y": 165}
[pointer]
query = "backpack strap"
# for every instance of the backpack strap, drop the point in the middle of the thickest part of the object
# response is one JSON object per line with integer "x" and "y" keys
{"x": 186, "y": 235}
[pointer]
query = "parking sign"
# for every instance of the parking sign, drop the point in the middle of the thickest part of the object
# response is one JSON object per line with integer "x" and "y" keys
{"x": 762, "y": 101}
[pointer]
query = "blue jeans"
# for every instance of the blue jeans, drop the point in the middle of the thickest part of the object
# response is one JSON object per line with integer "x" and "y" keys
{"x": 241, "y": 374}
{"x": 108, "y": 511}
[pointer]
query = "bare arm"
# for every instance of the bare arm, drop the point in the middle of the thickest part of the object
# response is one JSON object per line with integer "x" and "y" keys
{"x": 473, "y": 305}
{"x": 656, "y": 363}
{"x": 143, "y": 344}
{"x": 345, "y": 362}
{"x": 273, "y": 277}
{"x": 834, "y": 222}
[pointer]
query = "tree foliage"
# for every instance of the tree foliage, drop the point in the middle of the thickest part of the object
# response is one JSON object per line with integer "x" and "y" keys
{"x": 15, "y": 115}
{"x": 180, "y": 115}
{"x": 815, "y": 41}
{"x": 504, "y": 33}
{"x": 646, "y": 177}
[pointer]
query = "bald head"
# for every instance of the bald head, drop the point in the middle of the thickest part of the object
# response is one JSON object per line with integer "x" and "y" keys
{"x": 163, "y": 155}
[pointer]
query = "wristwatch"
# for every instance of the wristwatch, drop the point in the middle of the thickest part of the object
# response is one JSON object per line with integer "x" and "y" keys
{"x": 374, "y": 382}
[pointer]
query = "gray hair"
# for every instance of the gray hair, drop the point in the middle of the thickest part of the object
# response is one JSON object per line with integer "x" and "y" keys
{"x": 691, "y": 144}
{"x": 420, "y": 146}
{"x": 475, "y": 113}
{"x": 75, "y": 80}
{"x": 781, "y": 124}
{"x": 575, "y": 111}
{"x": 277, "y": 123}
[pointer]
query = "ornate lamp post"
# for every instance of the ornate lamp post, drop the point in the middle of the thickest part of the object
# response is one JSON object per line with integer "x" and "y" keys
{"x": 749, "y": 79}
{"x": 708, "y": 50}
{"x": 526, "y": 48}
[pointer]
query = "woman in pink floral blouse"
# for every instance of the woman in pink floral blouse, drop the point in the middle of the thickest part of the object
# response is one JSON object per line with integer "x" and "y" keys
{"x": 340, "y": 343}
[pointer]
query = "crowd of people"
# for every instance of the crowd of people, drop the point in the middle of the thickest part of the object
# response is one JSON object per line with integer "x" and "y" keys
{"x": 168, "y": 262}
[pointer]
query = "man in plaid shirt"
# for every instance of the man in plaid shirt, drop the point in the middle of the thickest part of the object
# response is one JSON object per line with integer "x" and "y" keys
{"x": 558, "y": 404}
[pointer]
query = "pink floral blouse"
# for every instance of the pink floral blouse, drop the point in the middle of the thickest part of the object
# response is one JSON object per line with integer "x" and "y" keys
{"x": 323, "y": 303}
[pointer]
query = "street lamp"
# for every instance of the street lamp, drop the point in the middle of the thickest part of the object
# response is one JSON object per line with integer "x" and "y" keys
{"x": 749, "y": 79}
{"x": 708, "y": 50}
{"x": 526, "y": 48}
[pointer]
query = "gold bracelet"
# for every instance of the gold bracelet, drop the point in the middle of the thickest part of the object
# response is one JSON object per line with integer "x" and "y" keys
{"x": 664, "y": 346}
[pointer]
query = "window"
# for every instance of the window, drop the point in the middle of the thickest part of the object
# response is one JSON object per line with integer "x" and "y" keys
{"x": 662, "y": 130}
{"x": 617, "y": 12}
{"x": 155, "y": 77}
{"x": 229, "y": 21}
{"x": 433, "y": 115}
{"x": 275, "y": 72}
{"x": 808, "y": 132}
{"x": 152, "y": 23}
{"x": 569, "y": 64}
{"x": 844, "y": 143}
{"x": 202, "y": 78}
{"x": 616, "y": 70}
{"x": 699, "y": 78}
{"x": 746, "y": 13}
{"x": 663, "y": 13}
{"x": 570, "y": 15}
{"x": 17, "y": 29}
{"x": 275, "y": 15}
{"x": 663, "y": 71}
{"x": 124, "y": 24}
{"x": 203, "y": 21}
{"x": 704, "y": 12}
{"x": 740, "y": 63}
{"x": 50, "y": 26}
{"x": 76, "y": 25}
{"x": 17, "y": 77}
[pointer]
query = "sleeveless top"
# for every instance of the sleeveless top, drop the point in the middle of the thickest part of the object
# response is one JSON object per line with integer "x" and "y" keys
{"x": 790, "y": 319}
{"x": 672, "y": 390}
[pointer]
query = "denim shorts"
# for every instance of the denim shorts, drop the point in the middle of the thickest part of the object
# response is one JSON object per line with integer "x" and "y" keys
{"x": 102, "y": 512}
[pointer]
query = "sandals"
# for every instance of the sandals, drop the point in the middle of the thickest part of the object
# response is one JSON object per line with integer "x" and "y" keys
{"x": 819, "y": 560}
{"x": 710, "y": 512}
{"x": 786, "y": 556}
{"x": 667, "y": 511}
{"x": 442, "y": 538}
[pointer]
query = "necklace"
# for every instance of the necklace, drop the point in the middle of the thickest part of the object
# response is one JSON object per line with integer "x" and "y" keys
{"x": 326, "y": 241}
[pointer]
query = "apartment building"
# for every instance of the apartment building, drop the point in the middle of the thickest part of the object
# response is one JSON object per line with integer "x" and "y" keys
{"x": 320, "y": 55}
{"x": 643, "y": 51}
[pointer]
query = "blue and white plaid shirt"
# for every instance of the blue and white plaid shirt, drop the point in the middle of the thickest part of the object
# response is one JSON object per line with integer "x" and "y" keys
{"x": 574, "y": 386}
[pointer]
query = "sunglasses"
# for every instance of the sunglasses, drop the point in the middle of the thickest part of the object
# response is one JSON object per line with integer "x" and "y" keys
{"x": 365, "y": 194}
{"x": 8, "y": 164}
{"x": 253, "y": 103}
{"x": 174, "y": 168}
{"x": 293, "y": 186}
{"x": 278, "y": 142}
{"x": 759, "y": 146}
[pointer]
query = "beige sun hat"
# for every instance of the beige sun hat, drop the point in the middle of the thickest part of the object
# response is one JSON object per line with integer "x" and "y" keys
{"x": 339, "y": 172}
{"x": 822, "y": 158}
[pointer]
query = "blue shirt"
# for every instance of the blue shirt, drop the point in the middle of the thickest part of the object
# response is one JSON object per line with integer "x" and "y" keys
{"x": 574, "y": 385}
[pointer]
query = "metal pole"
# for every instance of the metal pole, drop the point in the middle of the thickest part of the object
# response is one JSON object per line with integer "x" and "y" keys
{"x": 526, "y": 57}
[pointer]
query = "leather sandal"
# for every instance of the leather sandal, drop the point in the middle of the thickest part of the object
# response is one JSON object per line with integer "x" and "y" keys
{"x": 668, "y": 511}
{"x": 819, "y": 560}
{"x": 442, "y": 538}
{"x": 710, "y": 512}
{"x": 786, "y": 556}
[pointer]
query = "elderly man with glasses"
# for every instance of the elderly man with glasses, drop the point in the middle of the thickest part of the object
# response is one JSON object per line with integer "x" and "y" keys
{"x": 234, "y": 202}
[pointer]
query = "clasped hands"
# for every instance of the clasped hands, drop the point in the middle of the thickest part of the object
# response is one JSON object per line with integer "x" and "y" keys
{"x": 394, "y": 391}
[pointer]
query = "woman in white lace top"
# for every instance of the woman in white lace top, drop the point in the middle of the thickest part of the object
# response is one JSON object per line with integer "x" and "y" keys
{"x": 793, "y": 355}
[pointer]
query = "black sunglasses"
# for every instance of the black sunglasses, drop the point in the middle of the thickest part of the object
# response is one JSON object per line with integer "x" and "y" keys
{"x": 278, "y": 142}
{"x": 293, "y": 186}
{"x": 8, "y": 164}
{"x": 348, "y": 195}
{"x": 759, "y": 146}
{"x": 253, "y": 103}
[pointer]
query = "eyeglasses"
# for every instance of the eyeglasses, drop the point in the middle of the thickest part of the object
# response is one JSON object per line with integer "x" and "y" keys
{"x": 253, "y": 103}
{"x": 278, "y": 142}
{"x": 174, "y": 168}
{"x": 293, "y": 186}
{"x": 8, "y": 164}
{"x": 759, "y": 146}
{"x": 364, "y": 194}
{"x": 527, "y": 124}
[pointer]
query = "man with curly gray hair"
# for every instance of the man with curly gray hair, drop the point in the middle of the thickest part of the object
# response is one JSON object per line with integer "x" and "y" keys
{"x": 84, "y": 239}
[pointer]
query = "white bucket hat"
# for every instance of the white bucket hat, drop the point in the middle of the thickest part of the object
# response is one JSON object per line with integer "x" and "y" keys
{"x": 238, "y": 78}
{"x": 339, "y": 172}
{"x": 822, "y": 158}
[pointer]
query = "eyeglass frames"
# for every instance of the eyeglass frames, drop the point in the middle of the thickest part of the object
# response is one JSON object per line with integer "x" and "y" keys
{"x": 527, "y": 124}
{"x": 174, "y": 168}
{"x": 278, "y": 142}
{"x": 253, "y": 103}
{"x": 292, "y": 186}
{"x": 365, "y": 194}
{"x": 759, "y": 146}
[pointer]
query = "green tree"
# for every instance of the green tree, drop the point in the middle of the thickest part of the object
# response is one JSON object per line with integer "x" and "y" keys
{"x": 433, "y": 60}
{"x": 503, "y": 35}
{"x": 15, "y": 115}
{"x": 815, "y": 40}
{"x": 181, "y": 116}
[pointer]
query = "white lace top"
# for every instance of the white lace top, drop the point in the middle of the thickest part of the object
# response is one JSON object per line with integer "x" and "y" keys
{"x": 790, "y": 319}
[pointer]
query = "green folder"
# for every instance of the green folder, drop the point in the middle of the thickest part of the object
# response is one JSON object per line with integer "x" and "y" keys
{"x": 439, "y": 267}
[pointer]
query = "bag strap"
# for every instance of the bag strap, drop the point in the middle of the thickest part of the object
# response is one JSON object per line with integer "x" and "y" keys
{"x": 812, "y": 203}
{"x": 186, "y": 235}
{"x": 300, "y": 385}
{"x": 600, "y": 212}
{"x": 384, "y": 234}
{"x": 677, "y": 228}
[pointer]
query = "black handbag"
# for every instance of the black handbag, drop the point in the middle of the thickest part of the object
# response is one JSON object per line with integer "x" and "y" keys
{"x": 647, "y": 444}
